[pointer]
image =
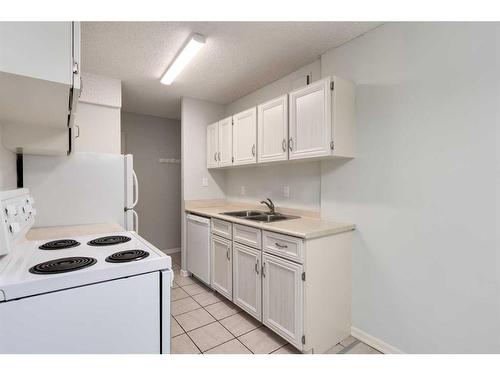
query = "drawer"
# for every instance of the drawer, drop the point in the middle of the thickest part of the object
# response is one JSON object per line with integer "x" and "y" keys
{"x": 284, "y": 246}
{"x": 221, "y": 228}
{"x": 247, "y": 235}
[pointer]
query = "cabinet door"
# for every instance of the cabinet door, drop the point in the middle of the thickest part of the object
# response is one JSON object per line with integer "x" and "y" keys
{"x": 310, "y": 120}
{"x": 245, "y": 137}
{"x": 225, "y": 142}
{"x": 247, "y": 290}
{"x": 272, "y": 130}
{"x": 222, "y": 269}
{"x": 282, "y": 296}
{"x": 212, "y": 146}
{"x": 41, "y": 50}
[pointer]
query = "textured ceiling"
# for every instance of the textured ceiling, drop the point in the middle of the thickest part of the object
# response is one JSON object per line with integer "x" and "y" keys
{"x": 238, "y": 58}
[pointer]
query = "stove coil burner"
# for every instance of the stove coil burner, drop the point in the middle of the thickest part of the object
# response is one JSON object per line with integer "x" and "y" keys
{"x": 59, "y": 244}
{"x": 109, "y": 240}
{"x": 127, "y": 256}
{"x": 62, "y": 265}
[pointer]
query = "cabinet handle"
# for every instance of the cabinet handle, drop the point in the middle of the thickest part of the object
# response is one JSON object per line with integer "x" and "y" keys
{"x": 227, "y": 254}
{"x": 78, "y": 135}
{"x": 215, "y": 156}
{"x": 283, "y": 145}
{"x": 257, "y": 267}
{"x": 264, "y": 269}
{"x": 253, "y": 150}
{"x": 290, "y": 144}
{"x": 219, "y": 155}
{"x": 280, "y": 245}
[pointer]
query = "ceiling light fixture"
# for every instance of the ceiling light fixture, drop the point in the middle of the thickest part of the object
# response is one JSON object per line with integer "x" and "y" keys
{"x": 190, "y": 49}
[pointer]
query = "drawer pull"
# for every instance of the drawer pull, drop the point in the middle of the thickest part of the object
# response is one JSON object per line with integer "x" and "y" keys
{"x": 227, "y": 254}
{"x": 257, "y": 267}
{"x": 280, "y": 245}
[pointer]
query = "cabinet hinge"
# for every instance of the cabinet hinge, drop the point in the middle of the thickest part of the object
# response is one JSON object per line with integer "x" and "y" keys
{"x": 303, "y": 339}
{"x": 332, "y": 85}
{"x": 303, "y": 276}
{"x": 331, "y": 145}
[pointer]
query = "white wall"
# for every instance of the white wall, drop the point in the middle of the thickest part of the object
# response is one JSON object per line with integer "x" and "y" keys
{"x": 98, "y": 115}
{"x": 277, "y": 88}
{"x": 150, "y": 138}
{"x": 262, "y": 181}
{"x": 195, "y": 116}
{"x": 8, "y": 175}
{"x": 268, "y": 181}
{"x": 423, "y": 188}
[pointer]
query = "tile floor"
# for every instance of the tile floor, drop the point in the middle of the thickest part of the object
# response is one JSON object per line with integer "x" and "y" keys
{"x": 205, "y": 322}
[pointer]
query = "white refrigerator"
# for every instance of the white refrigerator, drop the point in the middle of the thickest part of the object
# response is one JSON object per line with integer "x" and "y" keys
{"x": 83, "y": 188}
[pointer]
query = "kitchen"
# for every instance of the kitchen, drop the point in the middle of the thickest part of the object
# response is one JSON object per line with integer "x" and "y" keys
{"x": 296, "y": 187}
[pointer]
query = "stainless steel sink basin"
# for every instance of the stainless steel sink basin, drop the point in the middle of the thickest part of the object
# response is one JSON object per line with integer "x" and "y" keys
{"x": 269, "y": 218}
{"x": 244, "y": 214}
{"x": 265, "y": 217}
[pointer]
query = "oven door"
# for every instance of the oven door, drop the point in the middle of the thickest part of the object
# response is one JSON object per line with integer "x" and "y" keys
{"x": 120, "y": 316}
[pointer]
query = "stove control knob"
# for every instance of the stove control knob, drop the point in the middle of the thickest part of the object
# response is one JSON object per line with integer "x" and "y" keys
{"x": 30, "y": 200}
{"x": 14, "y": 228}
{"x": 10, "y": 210}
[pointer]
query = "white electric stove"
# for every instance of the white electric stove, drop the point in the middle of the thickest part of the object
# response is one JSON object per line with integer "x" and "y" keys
{"x": 107, "y": 293}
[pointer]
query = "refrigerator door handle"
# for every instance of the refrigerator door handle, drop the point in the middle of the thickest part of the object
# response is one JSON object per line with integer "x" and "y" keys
{"x": 136, "y": 189}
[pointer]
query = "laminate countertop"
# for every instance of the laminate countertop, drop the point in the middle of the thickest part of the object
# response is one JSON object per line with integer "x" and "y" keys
{"x": 48, "y": 233}
{"x": 304, "y": 227}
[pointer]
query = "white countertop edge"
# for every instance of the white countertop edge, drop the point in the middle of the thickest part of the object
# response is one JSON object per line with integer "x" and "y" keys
{"x": 275, "y": 227}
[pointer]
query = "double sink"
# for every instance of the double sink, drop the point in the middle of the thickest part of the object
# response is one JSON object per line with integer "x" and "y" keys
{"x": 261, "y": 216}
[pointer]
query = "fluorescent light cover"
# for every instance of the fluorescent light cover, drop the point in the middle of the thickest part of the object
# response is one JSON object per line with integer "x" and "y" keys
{"x": 190, "y": 49}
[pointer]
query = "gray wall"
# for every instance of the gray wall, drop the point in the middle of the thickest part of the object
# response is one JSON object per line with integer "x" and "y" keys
{"x": 423, "y": 190}
{"x": 150, "y": 138}
{"x": 8, "y": 176}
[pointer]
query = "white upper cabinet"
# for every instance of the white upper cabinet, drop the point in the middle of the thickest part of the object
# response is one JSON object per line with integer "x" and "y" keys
{"x": 225, "y": 142}
{"x": 310, "y": 120}
{"x": 212, "y": 146}
{"x": 219, "y": 144}
{"x": 314, "y": 121}
{"x": 245, "y": 137}
{"x": 322, "y": 120}
{"x": 39, "y": 85}
{"x": 272, "y": 130}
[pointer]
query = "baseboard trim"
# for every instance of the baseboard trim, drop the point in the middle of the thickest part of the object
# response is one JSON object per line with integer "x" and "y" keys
{"x": 172, "y": 251}
{"x": 374, "y": 342}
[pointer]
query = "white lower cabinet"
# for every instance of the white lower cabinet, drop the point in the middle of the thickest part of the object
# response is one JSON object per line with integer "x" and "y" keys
{"x": 221, "y": 266}
{"x": 298, "y": 288}
{"x": 282, "y": 292}
{"x": 247, "y": 282}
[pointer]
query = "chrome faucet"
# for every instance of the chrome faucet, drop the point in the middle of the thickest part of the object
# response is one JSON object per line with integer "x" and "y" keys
{"x": 269, "y": 203}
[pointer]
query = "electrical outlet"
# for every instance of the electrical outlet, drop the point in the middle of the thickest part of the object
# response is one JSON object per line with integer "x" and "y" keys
{"x": 243, "y": 190}
{"x": 286, "y": 191}
{"x": 204, "y": 182}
